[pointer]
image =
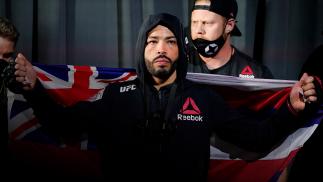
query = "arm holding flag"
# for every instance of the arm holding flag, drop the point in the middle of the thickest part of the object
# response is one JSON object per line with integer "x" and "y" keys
{"x": 25, "y": 72}
{"x": 57, "y": 117}
{"x": 303, "y": 92}
{"x": 241, "y": 137}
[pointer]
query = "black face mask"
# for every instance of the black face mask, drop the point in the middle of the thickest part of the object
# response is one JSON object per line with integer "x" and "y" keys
{"x": 208, "y": 48}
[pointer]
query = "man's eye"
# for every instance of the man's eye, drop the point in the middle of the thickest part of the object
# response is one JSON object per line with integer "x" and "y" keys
{"x": 172, "y": 42}
{"x": 152, "y": 42}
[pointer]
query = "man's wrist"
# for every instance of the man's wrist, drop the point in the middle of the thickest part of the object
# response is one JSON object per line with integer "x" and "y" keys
{"x": 291, "y": 108}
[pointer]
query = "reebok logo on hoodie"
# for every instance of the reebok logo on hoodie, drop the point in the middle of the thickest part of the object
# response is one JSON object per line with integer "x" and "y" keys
{"x": 190, "y": 112}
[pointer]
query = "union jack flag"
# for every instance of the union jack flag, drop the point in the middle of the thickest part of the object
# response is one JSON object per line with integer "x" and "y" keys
{"x": 69, "y": 84}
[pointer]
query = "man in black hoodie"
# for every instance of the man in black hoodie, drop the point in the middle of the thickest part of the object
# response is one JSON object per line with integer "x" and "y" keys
{"x": 159, "y": 128}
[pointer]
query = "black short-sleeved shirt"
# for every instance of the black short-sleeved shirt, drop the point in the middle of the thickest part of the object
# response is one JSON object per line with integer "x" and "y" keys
{"x": 240, "y": 65}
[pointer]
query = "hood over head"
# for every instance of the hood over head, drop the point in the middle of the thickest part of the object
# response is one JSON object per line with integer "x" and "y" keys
{"x": 174, "y": 25}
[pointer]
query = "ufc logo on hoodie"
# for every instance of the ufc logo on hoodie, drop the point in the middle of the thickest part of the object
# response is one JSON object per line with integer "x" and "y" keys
{"x": 127, "y": 88}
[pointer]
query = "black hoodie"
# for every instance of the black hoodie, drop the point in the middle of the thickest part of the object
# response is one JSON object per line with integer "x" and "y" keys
{"x": 146, "y": 134}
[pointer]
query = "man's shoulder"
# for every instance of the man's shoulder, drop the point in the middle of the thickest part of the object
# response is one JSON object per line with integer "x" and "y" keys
{"x": 248, "y": 64}
{"x": 245, "y": 58}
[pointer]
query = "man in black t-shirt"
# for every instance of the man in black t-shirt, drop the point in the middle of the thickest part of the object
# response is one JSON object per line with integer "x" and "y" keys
{"x": 209, "y": 42}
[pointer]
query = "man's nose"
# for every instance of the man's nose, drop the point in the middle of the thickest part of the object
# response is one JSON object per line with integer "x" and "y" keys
{"x": 161, "y": 48}
{"x": 199, "y": 28}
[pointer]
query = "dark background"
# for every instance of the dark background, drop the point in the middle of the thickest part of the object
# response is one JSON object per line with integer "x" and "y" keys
{"x": 279, "y": 33}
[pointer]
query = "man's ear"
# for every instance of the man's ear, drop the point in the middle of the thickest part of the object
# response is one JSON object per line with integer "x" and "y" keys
{"x": 230, "y": 25}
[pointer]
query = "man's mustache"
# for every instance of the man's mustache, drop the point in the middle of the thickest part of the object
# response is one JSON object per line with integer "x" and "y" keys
{"x": 162, "y": 56}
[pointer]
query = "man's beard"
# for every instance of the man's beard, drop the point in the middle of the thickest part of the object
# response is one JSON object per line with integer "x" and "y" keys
{"x": 161, "y": 72}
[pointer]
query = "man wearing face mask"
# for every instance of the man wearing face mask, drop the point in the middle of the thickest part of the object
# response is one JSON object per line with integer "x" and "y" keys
{"x": 209, "y": 48}
{"x": 209, "y": 42}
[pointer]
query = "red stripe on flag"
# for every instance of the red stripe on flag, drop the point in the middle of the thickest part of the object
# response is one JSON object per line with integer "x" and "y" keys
{"x": 22, "y": 128}
{"x": 43, "y": 77}
{"x": 125, "y": 78}
{"x": 80, "y": 87}
{"x": 81, "y": 77}
{"x": 130, "y": 74}
{"x": 254, "y": 100}
{"x": 242, "y": 171}
{"x": 275, "y": 100}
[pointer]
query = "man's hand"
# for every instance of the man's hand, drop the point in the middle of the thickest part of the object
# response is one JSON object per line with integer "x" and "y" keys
{"x": 303, "y": 91}
{"x": 25, "y": 72}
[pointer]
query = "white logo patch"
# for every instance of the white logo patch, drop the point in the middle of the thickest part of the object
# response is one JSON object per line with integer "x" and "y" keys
{"x": 127, "y": 88}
